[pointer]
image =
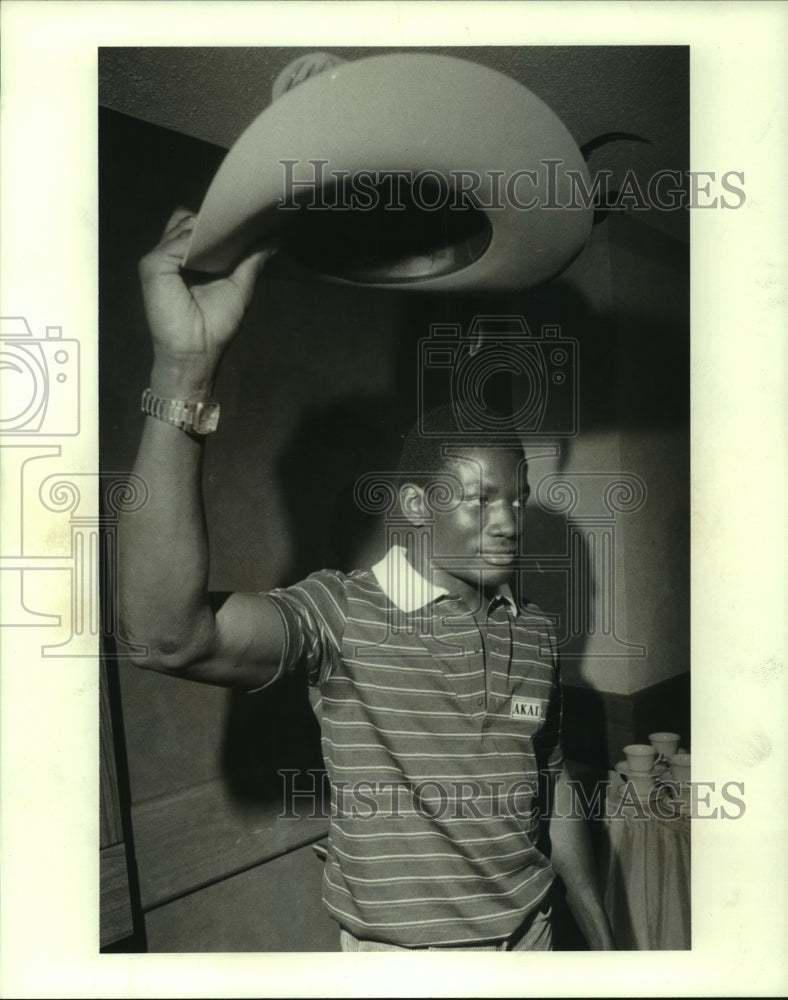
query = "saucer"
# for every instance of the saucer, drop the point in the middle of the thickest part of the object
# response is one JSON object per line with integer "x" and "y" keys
{"x": 623, "y": 768}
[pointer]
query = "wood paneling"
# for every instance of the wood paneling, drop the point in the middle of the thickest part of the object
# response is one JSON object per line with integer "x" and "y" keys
{"x": 114, "y": 896}
{"x": 201, "y": 835}
{"x": 116, "y": 914}
{"x": 275, "y": 907}
{"x": 111, "y": 823}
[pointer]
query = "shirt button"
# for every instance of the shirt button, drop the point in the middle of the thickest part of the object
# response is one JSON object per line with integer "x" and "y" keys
{"x": 477, "y": 649}
{"x": 480, "y": 702}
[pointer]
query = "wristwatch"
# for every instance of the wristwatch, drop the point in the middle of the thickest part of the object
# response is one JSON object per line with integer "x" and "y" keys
{"x": 198, "y": 417}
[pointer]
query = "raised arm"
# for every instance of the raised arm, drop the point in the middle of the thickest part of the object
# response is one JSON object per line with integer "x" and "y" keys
{"x": 163, "y": 559}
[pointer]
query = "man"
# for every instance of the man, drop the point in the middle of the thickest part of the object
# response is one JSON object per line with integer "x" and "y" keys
{"x": 437, "y": 693}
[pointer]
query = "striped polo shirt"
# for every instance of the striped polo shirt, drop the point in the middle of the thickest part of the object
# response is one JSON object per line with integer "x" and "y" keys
{"x": 435, "y": 724}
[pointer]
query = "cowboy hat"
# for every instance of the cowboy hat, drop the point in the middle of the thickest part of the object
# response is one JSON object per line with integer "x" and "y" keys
{"x": 403, "y": 170}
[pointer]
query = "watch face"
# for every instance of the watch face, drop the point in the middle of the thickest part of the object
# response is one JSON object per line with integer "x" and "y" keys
{"x": 206, "y": 419}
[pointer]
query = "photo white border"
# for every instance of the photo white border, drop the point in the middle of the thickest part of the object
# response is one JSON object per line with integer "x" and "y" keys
{"x": 49, "y": 726}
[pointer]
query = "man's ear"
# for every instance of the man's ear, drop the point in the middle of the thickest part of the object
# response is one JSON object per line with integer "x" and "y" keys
{"x": 411, "y": 500}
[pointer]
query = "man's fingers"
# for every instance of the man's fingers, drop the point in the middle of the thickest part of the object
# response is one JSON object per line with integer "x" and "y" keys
{"x": 177, "y": 219}
{"x": 167, "y": 257}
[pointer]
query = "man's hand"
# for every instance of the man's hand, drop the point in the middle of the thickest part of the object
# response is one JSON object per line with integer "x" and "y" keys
{"x": 192, "y": 326}
{"x": 586, "y": 907}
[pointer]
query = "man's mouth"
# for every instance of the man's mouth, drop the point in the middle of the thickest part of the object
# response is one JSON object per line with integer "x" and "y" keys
{"x": 499, "y": 557}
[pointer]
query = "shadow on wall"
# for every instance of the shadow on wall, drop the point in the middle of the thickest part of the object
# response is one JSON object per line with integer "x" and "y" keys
{"x": 331, "y": 449}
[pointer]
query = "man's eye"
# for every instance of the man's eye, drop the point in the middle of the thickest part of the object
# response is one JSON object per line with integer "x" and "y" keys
{"x": 477, "y": 500}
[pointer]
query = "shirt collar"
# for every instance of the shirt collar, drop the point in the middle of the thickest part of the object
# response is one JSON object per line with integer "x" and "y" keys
{"x": 405, "y": 587}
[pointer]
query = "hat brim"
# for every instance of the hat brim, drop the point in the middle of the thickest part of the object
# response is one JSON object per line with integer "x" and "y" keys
{"x": 415, "y": 115}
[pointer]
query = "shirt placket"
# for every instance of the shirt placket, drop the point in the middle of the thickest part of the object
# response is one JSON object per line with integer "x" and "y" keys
{"x": 465, "y": 669}
{"x": 498, "y": 648}
{"x": 490, "y": 650}
{"x": 478, "y": 658}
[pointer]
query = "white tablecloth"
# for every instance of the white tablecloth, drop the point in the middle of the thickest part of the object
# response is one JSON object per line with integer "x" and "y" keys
{"x": 646, "y": 880}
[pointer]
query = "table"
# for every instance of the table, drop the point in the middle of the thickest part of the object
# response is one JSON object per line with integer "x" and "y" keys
{"x": 645, "y": 868}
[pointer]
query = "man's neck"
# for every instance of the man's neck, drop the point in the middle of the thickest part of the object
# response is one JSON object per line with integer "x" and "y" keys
{"x": 475, "y": 596}
{"x": 471, "y": 596}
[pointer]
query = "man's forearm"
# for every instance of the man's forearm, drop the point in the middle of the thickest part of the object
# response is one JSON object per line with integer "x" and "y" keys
{"x": 573, "y": 859}
{"x": 163, "y": 556}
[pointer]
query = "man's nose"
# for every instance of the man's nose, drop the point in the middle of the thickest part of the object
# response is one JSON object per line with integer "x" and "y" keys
{"x": 505, "y": 521}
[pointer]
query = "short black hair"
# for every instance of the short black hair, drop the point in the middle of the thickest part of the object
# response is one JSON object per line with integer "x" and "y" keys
{"x": 426, "y": 448}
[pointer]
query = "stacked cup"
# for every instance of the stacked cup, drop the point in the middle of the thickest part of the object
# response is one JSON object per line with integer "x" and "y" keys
{"x": 655, "y": 766}
{"x": 639, "y": 769}
{"x": 675, "y": 768}
{"x": 679, "y": 786}
{"x": 666, "y": 744}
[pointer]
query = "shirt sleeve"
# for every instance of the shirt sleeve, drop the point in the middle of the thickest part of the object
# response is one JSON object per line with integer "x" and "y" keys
{"x": 313, "y": 613}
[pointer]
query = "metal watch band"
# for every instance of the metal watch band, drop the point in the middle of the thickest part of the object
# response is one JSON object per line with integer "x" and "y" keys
{"x": 199, "y": 417}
